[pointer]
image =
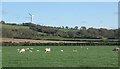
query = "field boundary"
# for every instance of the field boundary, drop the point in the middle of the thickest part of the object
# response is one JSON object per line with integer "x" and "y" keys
{"x": 29, "y": 42}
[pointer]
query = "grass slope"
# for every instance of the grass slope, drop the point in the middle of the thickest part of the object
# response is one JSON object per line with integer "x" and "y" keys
{"x": 95, "y": 56}
{"x": 14, "y": 27}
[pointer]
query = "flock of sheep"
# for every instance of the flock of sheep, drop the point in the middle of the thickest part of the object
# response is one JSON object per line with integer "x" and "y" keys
{"x": 24, "y": 50}
{"x": 49, "y": 49}
{"x": 46, "y": 50}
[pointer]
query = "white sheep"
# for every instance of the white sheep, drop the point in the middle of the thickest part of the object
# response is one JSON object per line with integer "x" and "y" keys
{"x": 74, "y": 50}
{"x": 30, "y": 50}
{"x": 27, "y": 48}
{"x": 37, "y": 50}
{"x": 61, "y": 50}
{"x": 47, "y": 50}
{"x": 116, "y": 49}
{"x": 22, "y": 50}
{"x": 18, "y": 50}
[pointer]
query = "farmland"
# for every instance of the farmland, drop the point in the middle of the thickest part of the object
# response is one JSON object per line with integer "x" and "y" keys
{"x": 96, "y": 48}
{"x": 0, "y": 56}
{"x": 95, "y": 56}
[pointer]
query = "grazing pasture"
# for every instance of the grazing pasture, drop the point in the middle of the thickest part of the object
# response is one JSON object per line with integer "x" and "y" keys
{"x": 0, "y": 57}
{"x": 71, "y": 56}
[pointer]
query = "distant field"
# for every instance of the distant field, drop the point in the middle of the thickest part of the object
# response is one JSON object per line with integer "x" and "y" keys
{"x": 95, "y": 56}
{"x": 31, "y": 41}
{"x": 47, "y": 40}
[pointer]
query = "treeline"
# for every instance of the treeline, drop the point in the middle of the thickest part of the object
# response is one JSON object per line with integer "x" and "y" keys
{"x": 61, "y": 44}
{"x": 78, "y": 33}
{"x": 37, "y": 31}
{"x": 83, "y": 32}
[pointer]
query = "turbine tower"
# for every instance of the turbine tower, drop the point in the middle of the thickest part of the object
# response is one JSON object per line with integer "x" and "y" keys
{"x": 31, "y": 17}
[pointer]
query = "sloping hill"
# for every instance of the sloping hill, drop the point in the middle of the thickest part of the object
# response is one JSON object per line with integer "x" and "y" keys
{"x": 16, "y": 31}
{"x": 33, "y": 31}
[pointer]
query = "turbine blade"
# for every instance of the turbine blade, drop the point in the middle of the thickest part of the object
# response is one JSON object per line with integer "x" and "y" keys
{"x": 30, "y": 14}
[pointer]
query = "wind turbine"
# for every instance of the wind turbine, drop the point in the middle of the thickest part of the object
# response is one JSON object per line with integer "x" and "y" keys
{"x": 31, "y": 17}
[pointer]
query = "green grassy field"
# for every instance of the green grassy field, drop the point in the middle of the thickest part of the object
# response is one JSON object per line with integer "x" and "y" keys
{"x": 0, "y": 57}
{"x": 95, "y": 56}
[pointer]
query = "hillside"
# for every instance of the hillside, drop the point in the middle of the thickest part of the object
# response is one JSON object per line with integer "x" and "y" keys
{"x": 33, "y": 31}
{"x": 14, "y": 31}
{"x": 25, "y": 35}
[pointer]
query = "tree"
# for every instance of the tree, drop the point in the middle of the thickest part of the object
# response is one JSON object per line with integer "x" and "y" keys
{"x": 28, "y": 24}
{"x": 62, "y": 27}
{"x": 66, "y": 27}
{"x": 103, "y": 32}
{"x": 84, "y": 33}
{"x": 2, "y": 22}
{"x": 76, "y": 27}
{"x": 83, "y": 27}
{"x": 71, "y": 34}
{"x": 93, "y": 32}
